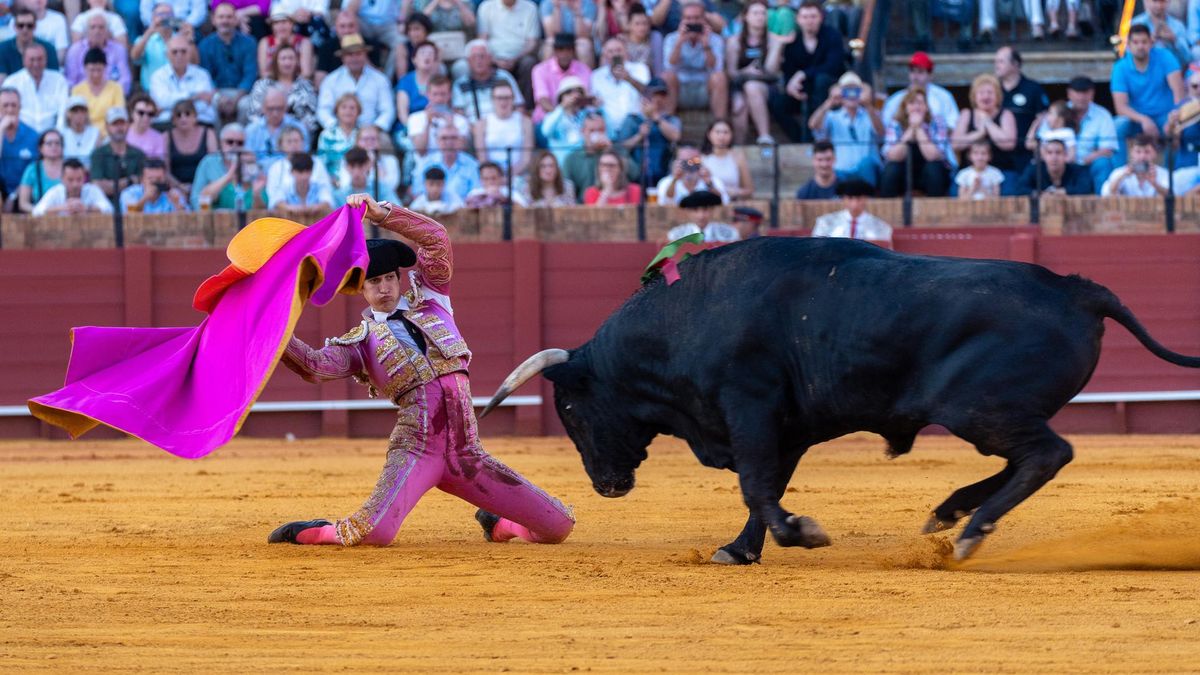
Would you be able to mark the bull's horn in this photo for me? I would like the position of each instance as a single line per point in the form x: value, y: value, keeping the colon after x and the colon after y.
x: 532, y: 366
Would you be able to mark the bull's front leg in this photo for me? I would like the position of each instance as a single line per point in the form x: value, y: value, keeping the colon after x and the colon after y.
x: 747, y: 548
x: 764, y: 477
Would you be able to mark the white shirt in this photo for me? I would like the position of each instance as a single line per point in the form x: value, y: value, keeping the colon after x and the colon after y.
x: 838, y: 224
x: 617, y: 98
x: 449, y: 203
x: 941, y: 102
x: 682, y: 191
x: 289, y: 7
x: 116, y: 25
x: 713, y: 232
x: 374, y: 93
x: 389, y: 172
x: 280, y: 182
x: 90, y: 195
x: 79, y: 146
x: 418, y: 121
x: 990, y: 176
x: 53, y: 29
x: 167, y: 89
x: 1131, y: 186
x: 40, y: 102
x: 506, y: 29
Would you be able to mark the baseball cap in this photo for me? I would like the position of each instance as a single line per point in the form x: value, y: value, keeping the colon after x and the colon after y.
x: 115, y: 115
x: 1081, y: 83
x: 76, y: 102
x: 921, y: 60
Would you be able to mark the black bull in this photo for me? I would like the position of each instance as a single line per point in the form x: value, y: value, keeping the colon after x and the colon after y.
x: 767, y: 347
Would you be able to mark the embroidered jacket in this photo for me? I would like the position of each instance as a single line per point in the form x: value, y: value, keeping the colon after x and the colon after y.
x: 370, y: 352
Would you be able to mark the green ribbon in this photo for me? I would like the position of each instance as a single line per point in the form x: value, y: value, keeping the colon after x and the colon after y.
x: 666, y: 254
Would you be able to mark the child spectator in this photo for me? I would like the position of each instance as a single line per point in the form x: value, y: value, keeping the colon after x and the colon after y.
x: 700, y: 206
x: 434, y: 200
x: 80, y: 138
x: 1058, y: 124
x: 1142, y: 176
x: 492, y: 191
x: 305, y: 194
x: 980, y: 180
x: 359, y: 177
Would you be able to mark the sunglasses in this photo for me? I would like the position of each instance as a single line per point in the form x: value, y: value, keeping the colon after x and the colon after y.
x: 184, y: 113
x: 141, y: 112
x: 236, y: 142
x: 25, y: 26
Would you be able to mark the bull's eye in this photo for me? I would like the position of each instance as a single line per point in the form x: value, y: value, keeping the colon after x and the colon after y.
x: 567, y: 406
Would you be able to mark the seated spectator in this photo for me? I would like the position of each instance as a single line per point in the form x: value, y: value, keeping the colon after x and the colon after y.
x: 563, y: 127
x: 74, y: 196
x: 149, y: 50
x: 262, y: 135
x: 51, y: 27
x: 279, y: 172
x: 251, y: 16
x: 1024, y: 97
x: 191, y: 12
x: 1142, y: 176
x: 1146, y: 85
x: 97, y: 90
x: 241, y: 188
x: 823, y: 184
x: 417, y: 28
x: 1168, y: 32
x: 423, y: 125
x: 563, y: 64
x: 503, y: 129
x: 1058, y: 123
x: 447, y: 15
x: 377, y: 23
x: 335, y: 140
x: 617, y: 85
x: 373, y: 90
x: 747, y: 221
x: 1055, y: 173
x: 914, y: 131
x: 987, y: 121
x: 42, y: 174
x: 359, y: 177
x: 667, y: 15
x: 854, y: 222
x: 434, y: 200
x: 652, y: 131
x: 304, y: 195
x: 510, y: 33
x: 979, y: 180
x: 461, y: 170
x: 301, y: 95
x: 80, y: 138
x: 688, y: 175
x: 344, y: 25
x: 643, y: 44
x: 113, y: 57
x: 155, y: 193
x: 1181, y: 123
x: 216, y: 163
x: 812, y: 63
x: 575, y: 18
x: 546, y: 186
x: 700, y: 206
x: 371, y: 139
x: 113, y: 22
x: 229, y: 57
x: 12, y: 51
x: 283, y: 34
x: 920, y: 76
x: 18, y: 141
x: 752, y: 61
x: 1073, y: 6
x: 43, y: 92
x: 189, y: 142
x: 724, y: 162
x: 612, y: 187
x: 116, y: 163
x: 1030, y: 9
x: 492, y: 190
x: 412, y: 89
x: 580, y: 164
x: 473, y: 91
x: 693, y: 64
x: 1096, y: 141
x: 855, y: 129
x: 180, y: 80
x: 311, y: 17
x: 612, y: 18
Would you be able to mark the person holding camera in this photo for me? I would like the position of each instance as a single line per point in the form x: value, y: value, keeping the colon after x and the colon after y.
x: 1142, y: 176
x: 149, y: 51
x: 688, y: 175
x: 694, y: 67
x: 154, y: 194
x: 854, y: 127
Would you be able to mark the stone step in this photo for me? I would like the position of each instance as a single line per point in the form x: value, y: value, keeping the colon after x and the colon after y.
x: 1047, y: 67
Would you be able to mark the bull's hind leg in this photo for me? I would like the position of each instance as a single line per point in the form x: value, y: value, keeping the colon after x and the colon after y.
x: 1033, y: 461
x: 963, y: 501
x: 748, y: 546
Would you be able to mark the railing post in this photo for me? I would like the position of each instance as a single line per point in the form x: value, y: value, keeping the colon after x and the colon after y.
x: 1035, y: 205
x: 906, y: 206
x: 239, y: 197
x: 643, y: 179
x: 507, y: 208
x: 118, y: 217
x: 1169, y: 198
x: 775, y: 186
x: 375, y: 191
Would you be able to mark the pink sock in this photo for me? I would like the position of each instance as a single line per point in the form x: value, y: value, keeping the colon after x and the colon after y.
x: 506, y: 529
x: 326, y: 534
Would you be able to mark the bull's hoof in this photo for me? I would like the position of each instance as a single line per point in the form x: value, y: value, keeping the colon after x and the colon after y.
x: 935, y: 524
x: 965, y: 547
x: 801, y: 531
x: 729, y: 556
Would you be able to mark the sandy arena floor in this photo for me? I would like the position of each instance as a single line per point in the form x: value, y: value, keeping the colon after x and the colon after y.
x: 116, y: 556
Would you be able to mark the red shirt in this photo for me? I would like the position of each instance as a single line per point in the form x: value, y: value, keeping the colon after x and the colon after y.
x: 631, y: 195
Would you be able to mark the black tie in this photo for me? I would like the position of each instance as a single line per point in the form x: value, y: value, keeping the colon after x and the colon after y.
x: 417, y: 336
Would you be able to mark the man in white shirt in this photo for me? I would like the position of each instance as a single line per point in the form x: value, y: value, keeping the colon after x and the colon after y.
x: 1142, y: 176
x: 920, y: 74
x: 43, y: 92
x: 618, y: 84
x: 424, y: 124
x: 51, y: 27
x: 74, y: 196
x: 512, y: 30
x: 180, y: 80
x: 853, y: 222
x: 700, y: 205
x: 688, y: 175
x: 356, y: 76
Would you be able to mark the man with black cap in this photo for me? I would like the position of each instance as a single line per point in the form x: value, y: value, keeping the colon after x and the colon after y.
x: 748, y: 221
x: 1096, y: 138
x: 700, y: 206
x: 853, y: 222
x: 409, y: 349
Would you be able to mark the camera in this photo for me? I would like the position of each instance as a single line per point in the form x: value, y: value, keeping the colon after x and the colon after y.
x: 617, y: 62
x: 162, y: 187
x: 1141, y: 167
x: 852, y: 93
x: 175, y: 24
x: 691, y: 166
x: 695, y: 28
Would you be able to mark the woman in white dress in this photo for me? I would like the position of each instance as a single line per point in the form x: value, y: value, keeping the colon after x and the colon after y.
x: 505, y: 127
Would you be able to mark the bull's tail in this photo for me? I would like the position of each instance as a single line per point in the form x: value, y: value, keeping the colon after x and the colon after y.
x: 1106, y: 303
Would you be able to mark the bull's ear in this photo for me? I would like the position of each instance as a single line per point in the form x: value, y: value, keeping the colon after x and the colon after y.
x: 573, y: 374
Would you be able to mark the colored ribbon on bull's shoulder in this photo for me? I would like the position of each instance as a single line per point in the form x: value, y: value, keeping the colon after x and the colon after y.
x: 664, y: 262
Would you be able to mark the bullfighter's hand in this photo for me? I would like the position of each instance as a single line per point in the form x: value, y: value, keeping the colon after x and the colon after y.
x: 375, y: 213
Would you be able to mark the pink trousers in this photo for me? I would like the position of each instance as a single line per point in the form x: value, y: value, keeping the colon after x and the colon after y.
x: 435, y: 444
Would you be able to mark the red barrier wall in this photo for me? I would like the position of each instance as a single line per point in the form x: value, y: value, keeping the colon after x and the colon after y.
x: 512, y: 299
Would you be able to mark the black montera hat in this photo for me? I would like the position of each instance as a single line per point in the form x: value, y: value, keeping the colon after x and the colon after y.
x: 855, y: 187
x: 700, y: 199
x: 388, y: 255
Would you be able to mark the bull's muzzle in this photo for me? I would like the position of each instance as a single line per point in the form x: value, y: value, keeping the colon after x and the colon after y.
x: 614, y: 488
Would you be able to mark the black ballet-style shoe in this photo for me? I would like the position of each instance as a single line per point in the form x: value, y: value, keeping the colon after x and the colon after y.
x: 287, y: 533
x: 487, y: 520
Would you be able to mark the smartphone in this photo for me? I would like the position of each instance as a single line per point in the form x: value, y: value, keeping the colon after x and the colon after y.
x: 852, y: 93
x: 695, y: 28
x: 1141, y: 167
x: 618, y: 61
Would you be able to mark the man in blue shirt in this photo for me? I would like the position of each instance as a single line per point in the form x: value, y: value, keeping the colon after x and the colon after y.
x: 462, y: 170
x: 154, y: 194
x: 18, y: 141
x: 262, y: 135
x: 1096, y: 139
x: 855, y: 129
x: 1146, y: 85
x: 304, y: 195
x: 1169, y: 33
x: 231, y: 58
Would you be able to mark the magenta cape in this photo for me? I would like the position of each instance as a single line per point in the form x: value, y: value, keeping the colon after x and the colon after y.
x: 188, y: 390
